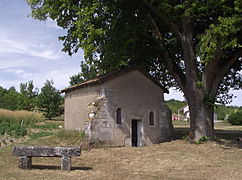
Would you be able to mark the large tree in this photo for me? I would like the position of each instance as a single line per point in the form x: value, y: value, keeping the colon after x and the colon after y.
x: 194, y: 45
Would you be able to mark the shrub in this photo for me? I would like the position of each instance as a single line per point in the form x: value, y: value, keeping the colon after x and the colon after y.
x: 235, y: 118
x: 12, y: 129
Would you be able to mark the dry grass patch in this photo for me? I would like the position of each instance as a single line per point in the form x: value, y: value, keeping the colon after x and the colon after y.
x: 172, y: 160
x: 27, y: 117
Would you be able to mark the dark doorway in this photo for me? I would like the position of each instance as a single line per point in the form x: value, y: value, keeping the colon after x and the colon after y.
x: 134, y: 133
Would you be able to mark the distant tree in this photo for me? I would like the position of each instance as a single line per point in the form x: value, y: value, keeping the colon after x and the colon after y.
x: 236, y: 117
x: 28, y: 96
x: 49, y: 100
x: 175, y: 105
x: 9, y: 98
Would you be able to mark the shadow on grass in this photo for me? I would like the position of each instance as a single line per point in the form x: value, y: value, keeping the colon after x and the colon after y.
x: 227, y: 138
x: 44, y: 167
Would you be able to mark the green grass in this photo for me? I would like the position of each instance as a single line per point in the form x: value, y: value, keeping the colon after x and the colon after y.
x: 40, y: 134
x: 73, y: 135
x: 15, y: 123
x: 46, y: 126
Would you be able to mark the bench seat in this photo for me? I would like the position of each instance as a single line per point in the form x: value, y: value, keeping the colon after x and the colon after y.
x: 26, y: 153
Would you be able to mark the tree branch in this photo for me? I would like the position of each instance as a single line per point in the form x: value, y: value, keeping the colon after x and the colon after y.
x: 216, y: 70
x: 172, y: 67
x: 173, y: 27
x: 229, y: 62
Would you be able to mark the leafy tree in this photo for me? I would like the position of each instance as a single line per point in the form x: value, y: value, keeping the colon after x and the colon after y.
x: 194, y: 45
x: 175, y: 105
x: 236, y: 118
x: 49, y: 100
x: 28, y: 96
x: 88, y: 72
x: 9, y: 98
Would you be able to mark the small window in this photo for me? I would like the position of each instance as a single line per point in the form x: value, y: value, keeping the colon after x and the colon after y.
x: 151, y: 118
x: 118, y: 116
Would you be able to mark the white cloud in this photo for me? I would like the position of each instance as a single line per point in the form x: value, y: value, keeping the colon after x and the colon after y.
x: 174, y: 94
x: 15, y: 46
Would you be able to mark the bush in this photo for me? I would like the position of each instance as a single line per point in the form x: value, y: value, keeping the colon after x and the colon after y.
x: 235, y: 118
x: 12, y: 129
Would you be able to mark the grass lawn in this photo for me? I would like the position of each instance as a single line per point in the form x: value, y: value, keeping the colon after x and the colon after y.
x: 171, y: 160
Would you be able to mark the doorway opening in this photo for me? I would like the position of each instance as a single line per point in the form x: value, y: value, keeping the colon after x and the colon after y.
x: 136, y: 132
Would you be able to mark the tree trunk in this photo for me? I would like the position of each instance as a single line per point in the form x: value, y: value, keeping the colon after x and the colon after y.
x: 201, y: 117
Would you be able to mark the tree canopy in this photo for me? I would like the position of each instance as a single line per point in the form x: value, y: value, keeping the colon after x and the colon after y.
x: 193, y: 45
x: 49, y: 101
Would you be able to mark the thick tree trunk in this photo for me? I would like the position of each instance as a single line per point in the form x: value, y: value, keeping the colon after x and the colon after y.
x: 201, y: 118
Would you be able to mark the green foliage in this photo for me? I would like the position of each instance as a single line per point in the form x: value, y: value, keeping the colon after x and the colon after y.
x: 49, y: 101
x: 14, y: 123
x: 88, y: 72
x: 224, y: 111
x: 27, y: 96
x: 202, y: 140
x: 175, y: 105
x: 236, y: 118
x: 40, y: 134
x: 9, y: 98
x: 23, y: 100
x: 12, y: 129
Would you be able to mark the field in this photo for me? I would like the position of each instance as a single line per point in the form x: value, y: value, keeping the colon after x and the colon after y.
x: 213, y: 160
x: 171, y: 160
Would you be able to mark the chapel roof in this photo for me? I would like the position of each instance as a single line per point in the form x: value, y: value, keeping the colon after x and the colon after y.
x: 107, y: 76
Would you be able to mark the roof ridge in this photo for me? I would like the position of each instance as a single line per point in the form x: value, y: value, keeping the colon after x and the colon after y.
x: 103, y: 77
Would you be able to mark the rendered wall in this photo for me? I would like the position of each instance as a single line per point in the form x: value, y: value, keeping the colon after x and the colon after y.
x: 136, y: 95
x: 76, y: 106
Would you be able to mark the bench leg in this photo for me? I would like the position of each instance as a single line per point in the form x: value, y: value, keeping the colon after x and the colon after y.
x: 66, y: 163
x: 25, y: 162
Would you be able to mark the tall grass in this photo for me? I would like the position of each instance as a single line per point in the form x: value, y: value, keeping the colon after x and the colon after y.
x: 15, y: 122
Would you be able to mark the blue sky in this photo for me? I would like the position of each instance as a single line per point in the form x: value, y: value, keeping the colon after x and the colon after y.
x: 30, y: 50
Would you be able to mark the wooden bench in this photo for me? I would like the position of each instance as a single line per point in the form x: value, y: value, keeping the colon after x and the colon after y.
x: 26, y: 153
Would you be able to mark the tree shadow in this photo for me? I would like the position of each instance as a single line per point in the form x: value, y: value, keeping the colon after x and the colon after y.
x: 227, y: 138
x: 44, y: 167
